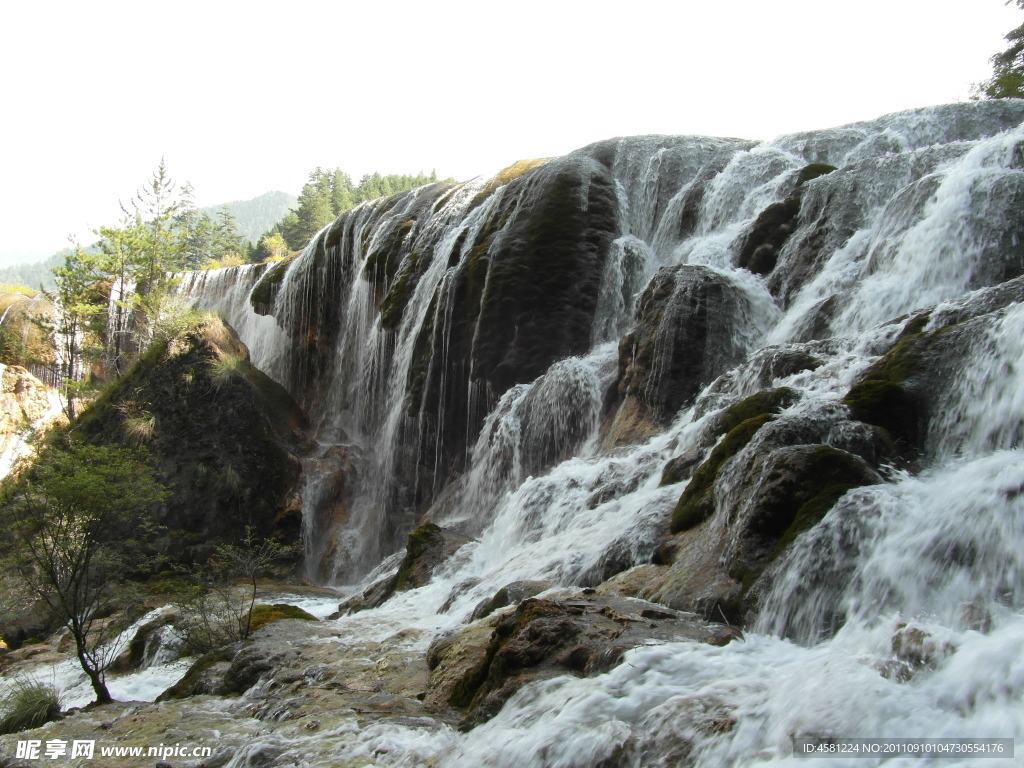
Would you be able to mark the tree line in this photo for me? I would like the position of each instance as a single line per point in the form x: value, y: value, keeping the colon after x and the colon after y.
x: 325, y: 196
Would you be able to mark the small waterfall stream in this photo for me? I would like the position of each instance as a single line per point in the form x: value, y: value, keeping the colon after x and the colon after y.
x: 389, y: 330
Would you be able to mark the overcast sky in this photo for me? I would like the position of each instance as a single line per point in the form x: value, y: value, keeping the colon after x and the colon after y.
x: 244, y: 98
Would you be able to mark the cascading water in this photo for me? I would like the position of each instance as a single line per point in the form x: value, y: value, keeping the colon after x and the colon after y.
x: 901, y: 613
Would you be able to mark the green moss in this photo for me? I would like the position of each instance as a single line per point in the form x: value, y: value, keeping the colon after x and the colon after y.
x: 813, y: 171
x: 393, y: 305
x: 421, y: 540
x: 883, y: 397
x: 264, y: 293
x: 885, y: 404
x: 696, y: 504
x: 767, y: 401
x: 799, y: 491
x: 265, y: 614
x: 828, y: 475
x: 676, y: 470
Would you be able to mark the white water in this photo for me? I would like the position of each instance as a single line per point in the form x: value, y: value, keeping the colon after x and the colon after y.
x: 940, y: 551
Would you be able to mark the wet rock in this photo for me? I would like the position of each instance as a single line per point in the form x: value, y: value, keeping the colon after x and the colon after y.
x: 913, y: 650
x: 584, y: 635
x: 371, y: 597
x: 780, y: 482
x: 328, y: 504
x: 759, y: 251
x: 134, y: 656
x: 428, y: 547
x: 685, y: 336
x: 525, y: 297
x: 205, y: 676
x: 510, y: 594
x: 782, y: 494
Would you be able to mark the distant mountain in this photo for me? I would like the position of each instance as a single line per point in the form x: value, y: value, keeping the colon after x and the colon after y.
x: 256, y: 216
x: 21, y: 255
x: 36, y: 274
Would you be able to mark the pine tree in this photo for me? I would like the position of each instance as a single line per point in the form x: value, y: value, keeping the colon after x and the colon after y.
x: 341, y: 192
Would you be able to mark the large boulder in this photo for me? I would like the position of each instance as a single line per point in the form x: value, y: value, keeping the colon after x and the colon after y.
x: 477, y: 671
x: 220, y: 433
x: 693, y: 324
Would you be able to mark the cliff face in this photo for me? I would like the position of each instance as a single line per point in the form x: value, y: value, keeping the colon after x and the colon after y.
x: 221, y: 434
x: 456, y: 345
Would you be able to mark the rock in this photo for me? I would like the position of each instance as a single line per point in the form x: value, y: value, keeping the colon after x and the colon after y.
x: 428, y: 547
x: 510, y: 594
x: 33, y: 399
x: 525, y: 298
x: 782, y: 494
x: 541, y: 639
x: 371, y: 597
x: 134, y: 656
x: 205, y: 676
x: 780, y: 480
x: 32, y: 619
x: 913, y: 650
x: 773, y: 226
x: 328, y: 504
x: 686, y: 335
x: 215, y: 429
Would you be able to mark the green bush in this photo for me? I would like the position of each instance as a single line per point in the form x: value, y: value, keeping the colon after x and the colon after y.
x: 28, y: 703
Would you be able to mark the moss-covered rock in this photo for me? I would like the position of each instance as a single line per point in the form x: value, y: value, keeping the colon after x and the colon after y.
x: 428, y: 546
x: 696, y: 504
x: 510, y: 594
x: 892, y: 392
x: 218, y: 432
x: 885, y: 404
x: 767, y: 402
x: 785, y: 493
x: 541, y: 639
x: 203, y: 677
x: 523, y: 294
x: 264, y: 294
x: 265, y: 614
x: 685, y: 336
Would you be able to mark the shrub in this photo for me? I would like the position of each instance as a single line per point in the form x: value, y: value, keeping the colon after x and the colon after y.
x: 28, y: 703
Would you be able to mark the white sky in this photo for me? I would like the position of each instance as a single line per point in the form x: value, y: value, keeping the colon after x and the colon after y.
x: 246, y: 97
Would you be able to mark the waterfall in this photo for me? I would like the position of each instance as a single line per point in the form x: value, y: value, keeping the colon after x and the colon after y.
x: 468, y: 371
